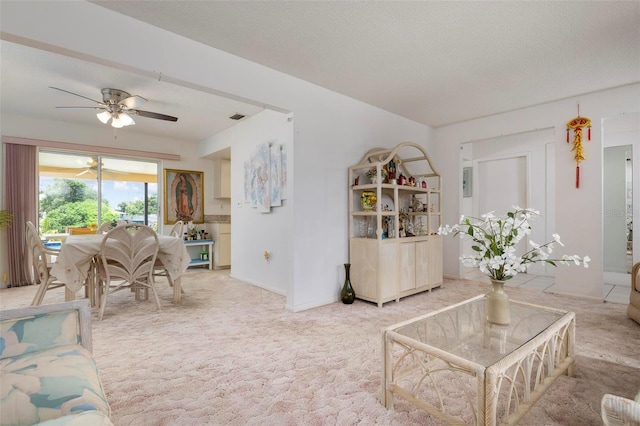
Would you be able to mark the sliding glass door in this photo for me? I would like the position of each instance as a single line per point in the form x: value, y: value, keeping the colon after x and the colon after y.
x: 80, y: 191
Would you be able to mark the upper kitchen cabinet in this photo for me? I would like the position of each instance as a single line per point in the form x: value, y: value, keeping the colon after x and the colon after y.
x: 222, y: 179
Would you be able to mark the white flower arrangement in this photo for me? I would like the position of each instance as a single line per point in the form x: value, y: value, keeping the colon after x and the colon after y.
x: 495, y: 238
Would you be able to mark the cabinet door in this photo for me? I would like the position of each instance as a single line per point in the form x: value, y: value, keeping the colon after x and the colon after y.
x: 222, y: 182
x: 407, y: 266
x: 434, y: 261
x: 224, y: 241
x: 364, y: 268
x: 422, y: 264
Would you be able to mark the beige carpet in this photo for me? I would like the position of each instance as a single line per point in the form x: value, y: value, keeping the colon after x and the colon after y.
x: 230, y: 354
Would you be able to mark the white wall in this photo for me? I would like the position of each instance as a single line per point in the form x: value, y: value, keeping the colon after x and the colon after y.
x: 252, y: 232
x: 578, y: 211
x: 330, y: 131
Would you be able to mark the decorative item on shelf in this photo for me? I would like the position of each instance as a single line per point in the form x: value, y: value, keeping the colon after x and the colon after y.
x: 372, y: 174
x: 368, y: 201
x: 391, y: 170
x: 347, y: 295
x: 495, y: 238
x: 204, y: 255
x: 401, y: 179
x: 416, y: 204
x: 576, y: 124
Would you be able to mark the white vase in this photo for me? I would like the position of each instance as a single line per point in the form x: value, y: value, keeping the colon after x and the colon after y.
x: 497, y: 304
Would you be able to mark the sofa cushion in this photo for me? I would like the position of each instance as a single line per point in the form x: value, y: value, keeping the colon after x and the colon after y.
x: 37, y: 332
x: 48, y: 384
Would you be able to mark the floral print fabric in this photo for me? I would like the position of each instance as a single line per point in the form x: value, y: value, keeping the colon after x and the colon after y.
x: 44, y: 372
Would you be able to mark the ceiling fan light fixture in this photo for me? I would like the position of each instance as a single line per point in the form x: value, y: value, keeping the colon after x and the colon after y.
x: 126, y: 119
x: 104, y: 116
x: 121, y: 119
x: 117, y: 122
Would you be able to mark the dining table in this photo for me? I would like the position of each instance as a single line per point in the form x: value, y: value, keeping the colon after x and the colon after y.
x: 73, y: 263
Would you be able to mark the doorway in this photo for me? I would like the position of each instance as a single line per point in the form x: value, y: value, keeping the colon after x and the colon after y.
x: 511, y: 170
x: 621, y: 143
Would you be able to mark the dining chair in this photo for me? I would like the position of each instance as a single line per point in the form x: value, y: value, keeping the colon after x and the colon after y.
x: 159, y: 269
x: 105, y: 227
x: 127, y: 255
x: 41, y: 266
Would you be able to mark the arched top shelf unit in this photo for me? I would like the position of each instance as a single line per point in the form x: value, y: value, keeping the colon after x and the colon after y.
x: 407, y: 160
x: 395, y: 200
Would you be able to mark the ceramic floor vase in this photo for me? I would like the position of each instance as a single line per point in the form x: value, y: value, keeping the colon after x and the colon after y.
x: 347, y: 295
x: 497, y: 304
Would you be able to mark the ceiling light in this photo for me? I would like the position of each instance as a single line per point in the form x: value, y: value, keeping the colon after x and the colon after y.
x: 126, y: 119
x: 104, y: 116
x: 118, y: 119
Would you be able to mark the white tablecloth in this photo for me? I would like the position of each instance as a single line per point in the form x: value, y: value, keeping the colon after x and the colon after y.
x: 73, y: 262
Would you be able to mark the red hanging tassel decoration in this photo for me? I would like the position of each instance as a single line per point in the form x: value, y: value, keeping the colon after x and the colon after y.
x: 577, y: 124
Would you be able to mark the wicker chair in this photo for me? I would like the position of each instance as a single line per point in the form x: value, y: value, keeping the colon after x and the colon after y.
x: 619, y: 411
x: 105, y: 227
x: 633, y: 310
x: 40, y: 256
x: 127, y: 254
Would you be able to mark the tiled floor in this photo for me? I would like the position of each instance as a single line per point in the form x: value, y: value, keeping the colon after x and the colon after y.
x: 610, y: 292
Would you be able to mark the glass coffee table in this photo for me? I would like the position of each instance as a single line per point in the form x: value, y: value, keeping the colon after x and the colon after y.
x: 463, y: 370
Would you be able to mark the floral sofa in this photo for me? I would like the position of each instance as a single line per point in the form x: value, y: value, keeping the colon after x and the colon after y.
x: 48, y: 375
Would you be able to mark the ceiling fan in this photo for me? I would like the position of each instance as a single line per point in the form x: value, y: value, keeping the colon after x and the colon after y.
x: 118, y: 106
x: 92, y: 168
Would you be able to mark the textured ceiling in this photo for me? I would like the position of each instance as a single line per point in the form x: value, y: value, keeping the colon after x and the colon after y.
x: 436, y: 62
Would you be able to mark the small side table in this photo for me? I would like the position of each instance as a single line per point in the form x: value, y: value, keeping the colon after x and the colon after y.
x: 196, y: 258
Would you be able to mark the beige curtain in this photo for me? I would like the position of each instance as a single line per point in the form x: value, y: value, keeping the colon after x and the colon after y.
x: 21, y: 200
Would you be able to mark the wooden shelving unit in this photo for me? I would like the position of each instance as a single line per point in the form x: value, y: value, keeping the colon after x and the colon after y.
x: 394, y: 249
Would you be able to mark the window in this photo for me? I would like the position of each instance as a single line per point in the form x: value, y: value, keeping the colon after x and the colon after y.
x: 80, y: 190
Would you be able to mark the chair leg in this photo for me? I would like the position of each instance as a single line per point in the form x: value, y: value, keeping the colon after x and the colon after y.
x: 39, y: 296
x: 153, y: 290
x: 103, y: 301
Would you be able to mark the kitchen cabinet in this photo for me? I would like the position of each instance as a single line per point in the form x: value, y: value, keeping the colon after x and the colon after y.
x: 221, y: 233
x: 222, y: 180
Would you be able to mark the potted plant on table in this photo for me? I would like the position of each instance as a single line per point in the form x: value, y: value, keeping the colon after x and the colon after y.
x: 494, y: 239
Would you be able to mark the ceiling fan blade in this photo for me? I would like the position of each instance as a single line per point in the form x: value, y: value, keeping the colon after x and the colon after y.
x: 133, y: 102
x: 84, y: 172
x: 83, y: 107
x: 75, y: 94
x: 149, y: 114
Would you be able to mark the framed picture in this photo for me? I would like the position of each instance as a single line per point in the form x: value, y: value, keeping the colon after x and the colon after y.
x: 183, y: 196
x: 466, y: 181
